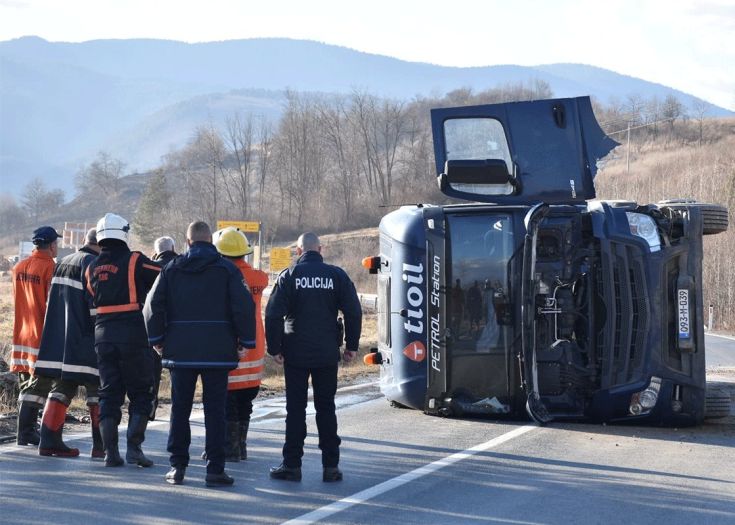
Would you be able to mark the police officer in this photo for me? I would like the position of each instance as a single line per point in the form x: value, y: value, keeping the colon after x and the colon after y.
x: 201, y: 317
x: 118, y: 281
x: 31, y: 285
x: 67, y: 352
x: 302, y: 334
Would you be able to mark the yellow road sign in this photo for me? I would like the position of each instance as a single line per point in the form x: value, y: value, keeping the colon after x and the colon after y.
x: 280, y: 259
x: 245, y: 226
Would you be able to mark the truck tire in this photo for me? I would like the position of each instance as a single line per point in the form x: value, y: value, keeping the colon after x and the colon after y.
x: 717, y: 402
x: 715, y: 217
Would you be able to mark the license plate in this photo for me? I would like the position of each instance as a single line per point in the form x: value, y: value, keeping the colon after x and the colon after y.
x: 683, y: 306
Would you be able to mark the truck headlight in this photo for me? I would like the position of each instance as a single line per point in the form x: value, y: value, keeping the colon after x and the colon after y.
x: 644, y: 401
x: 644, y: 227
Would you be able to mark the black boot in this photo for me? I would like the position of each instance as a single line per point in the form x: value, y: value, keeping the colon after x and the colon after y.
x: 108, y: 430
x: 244, y: 426
x: 232, y: 446
x: 27, y: 418
x: 136, y: 435
x: 52, y: 427
x: 98, y: 449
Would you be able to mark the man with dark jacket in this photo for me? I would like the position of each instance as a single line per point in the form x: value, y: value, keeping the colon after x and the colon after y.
x: 164, y: 250
x: 201, y: 317
x: 67, y: 352
x: 118, y: 281
x: 163, y: 253
x: 302, y: 334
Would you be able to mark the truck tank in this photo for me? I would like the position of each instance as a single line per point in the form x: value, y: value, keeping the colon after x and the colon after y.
x: 402, y: 322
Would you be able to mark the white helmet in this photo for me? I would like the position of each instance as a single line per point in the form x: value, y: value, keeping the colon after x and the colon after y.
x: 112, y: 226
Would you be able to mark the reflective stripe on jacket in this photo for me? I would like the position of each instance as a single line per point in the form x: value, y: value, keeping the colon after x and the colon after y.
x: 67, y: 344
x: 249, y: 371
x: 118, y: 281
x: 31, y: 285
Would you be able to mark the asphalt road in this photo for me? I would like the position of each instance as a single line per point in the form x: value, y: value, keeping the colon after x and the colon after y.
x: 402, y: 467
x: 720, y: 350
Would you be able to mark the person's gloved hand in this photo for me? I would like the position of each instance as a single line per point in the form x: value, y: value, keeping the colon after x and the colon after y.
x: 349, y: 355
x: 278, y: 358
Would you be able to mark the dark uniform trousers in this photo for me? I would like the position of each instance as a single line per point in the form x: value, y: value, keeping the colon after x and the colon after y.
x: 240, y: 403
x: 214, y: 396
x: 124, y: 369
x: 324, y: 384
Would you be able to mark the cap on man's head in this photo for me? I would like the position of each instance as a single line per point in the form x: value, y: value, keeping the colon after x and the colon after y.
x: 44, y: 235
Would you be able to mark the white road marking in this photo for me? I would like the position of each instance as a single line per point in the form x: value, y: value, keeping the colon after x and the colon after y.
x: 728, y: 337
x: 377, y: 490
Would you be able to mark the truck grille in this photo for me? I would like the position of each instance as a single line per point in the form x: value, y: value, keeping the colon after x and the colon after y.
x: 622, y: 286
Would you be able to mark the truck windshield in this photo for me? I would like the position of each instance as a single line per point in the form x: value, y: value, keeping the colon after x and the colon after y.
x: 480, y: 248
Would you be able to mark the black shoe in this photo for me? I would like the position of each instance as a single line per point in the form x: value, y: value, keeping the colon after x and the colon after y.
x: 218, y: 480
x: 286, y: 473
x: 331, y: 474
x: 175, y: 476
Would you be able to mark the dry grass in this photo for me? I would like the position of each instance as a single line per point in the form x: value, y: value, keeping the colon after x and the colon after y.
x: 681, y: 168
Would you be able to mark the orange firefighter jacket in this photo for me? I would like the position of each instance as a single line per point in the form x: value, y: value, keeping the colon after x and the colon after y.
x: 249, y: 371
x: 31, y: 285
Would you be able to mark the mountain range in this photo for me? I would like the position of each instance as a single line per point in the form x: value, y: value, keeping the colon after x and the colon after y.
x: 61, y: 103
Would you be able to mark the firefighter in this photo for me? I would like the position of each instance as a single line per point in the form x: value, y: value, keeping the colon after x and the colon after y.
x: 31, y: 285
x: 163, y: 253
x: 118, y: 281
x: 243, y: 383
x: 67, y: 352
x: 308, y: 296
x: 200, y: 316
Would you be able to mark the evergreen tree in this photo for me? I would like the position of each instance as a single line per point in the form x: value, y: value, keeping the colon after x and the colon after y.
x: 153, y: 206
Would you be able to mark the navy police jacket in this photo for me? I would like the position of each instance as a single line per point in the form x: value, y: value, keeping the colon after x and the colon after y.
x: 200, y: 310
x: 301, y: 316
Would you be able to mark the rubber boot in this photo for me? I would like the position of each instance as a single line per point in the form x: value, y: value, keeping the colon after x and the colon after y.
x: 108, y: 431
x: 244, y: 426
x: 27, y: 417
x: 232, y: 445
x: 136, y: 435
x: 98, y: 449
x: 52, y: 427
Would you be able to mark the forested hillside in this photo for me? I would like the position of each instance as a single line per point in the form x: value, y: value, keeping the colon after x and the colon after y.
x: 337, y: 163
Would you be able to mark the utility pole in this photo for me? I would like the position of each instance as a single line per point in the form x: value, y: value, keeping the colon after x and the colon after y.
x: 627, y: 160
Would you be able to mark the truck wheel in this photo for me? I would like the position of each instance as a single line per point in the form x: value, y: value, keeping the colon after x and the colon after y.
x: 714, y: 216
x: 717, y: 402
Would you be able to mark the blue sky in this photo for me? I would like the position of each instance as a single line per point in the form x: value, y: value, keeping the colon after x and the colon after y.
x: 688, y: 45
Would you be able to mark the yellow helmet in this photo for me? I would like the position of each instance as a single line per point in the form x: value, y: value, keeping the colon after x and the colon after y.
x: 232, y: 242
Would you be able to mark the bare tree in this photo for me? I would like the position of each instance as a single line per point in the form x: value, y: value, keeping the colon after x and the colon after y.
x: 101, y: 177
x: 38, y: 201
x: 700, y: 109
x: 239, y: 143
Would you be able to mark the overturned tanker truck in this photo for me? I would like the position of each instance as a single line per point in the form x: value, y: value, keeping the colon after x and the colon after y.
x: 536, y: 298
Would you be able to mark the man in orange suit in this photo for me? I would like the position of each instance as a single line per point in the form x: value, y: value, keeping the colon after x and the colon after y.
x: 243, y: 383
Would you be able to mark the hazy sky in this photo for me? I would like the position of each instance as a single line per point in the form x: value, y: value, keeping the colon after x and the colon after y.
x: 688, y: 45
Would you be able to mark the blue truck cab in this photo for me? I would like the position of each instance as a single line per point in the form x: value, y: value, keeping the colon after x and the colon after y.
x: 535, y: 298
